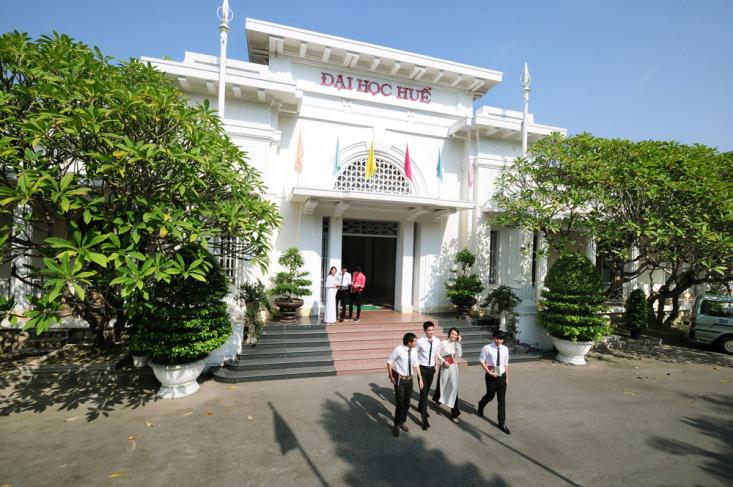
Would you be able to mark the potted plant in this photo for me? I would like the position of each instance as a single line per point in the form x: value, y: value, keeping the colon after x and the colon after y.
x: 464, y: 286
x: 253, y: 297
x: 137, y: 347
x: 502, y: 301
x: 571, y: 308
x: 186, y: 319
x: 636, y: 313
x: 288, y: 286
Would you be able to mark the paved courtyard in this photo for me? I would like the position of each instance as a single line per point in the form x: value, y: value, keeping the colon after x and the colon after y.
x: 661, y: 421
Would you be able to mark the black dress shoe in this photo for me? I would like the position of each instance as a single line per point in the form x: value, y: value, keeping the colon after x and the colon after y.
x: 480, y: 412
x: 504, y: 428
x: 396, y: 431
x: 425, y: 425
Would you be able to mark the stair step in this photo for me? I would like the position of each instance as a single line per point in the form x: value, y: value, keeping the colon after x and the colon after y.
x: 280, y: 362
x: 255, y: 353
x: 235, y: 376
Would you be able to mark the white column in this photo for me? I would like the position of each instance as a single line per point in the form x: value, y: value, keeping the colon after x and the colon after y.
x: 590, y: 249
x: 18, y: 289
x: 541, y: 263
x: 335, y: 239
x: 404, y: 267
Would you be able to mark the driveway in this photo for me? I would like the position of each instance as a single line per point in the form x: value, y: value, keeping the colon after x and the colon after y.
x: 616, y: 421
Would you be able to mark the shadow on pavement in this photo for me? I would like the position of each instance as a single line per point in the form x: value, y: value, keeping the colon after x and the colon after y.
x: 360, y: 428
x: 287, y: 441
x: 100, y: 393
x: 717, y: 462
x: 674, y: 349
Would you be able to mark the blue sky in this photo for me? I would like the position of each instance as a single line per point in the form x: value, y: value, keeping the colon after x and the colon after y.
x: 638, y: 69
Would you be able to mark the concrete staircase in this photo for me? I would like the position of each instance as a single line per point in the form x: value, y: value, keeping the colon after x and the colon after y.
x: 308, y: 350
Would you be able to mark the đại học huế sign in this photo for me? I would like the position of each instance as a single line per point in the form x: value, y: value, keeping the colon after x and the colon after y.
x: 374, y: 88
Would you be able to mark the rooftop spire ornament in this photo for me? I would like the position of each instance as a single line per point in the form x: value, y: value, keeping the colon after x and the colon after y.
x: 525, y: 98
x: 225, y: 16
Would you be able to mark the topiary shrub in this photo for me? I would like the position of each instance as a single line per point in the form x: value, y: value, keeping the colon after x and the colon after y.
x: 570, y: 307
x: 636, y: 315
x: 293, y: 282
x: 502, y: 301
x: 464, y: 284
x: 186, y: 319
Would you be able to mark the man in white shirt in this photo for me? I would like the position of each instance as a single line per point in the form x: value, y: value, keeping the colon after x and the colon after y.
x: 427, y: 349
x: 343, y: 293
x: 401, y: 367
x: 494, y: 360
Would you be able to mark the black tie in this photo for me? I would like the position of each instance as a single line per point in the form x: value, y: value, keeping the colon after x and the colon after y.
x: 430, y: 354
x: 498, y: 359
x: 409, y: 362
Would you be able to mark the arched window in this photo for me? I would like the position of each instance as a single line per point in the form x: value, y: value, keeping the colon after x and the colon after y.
x: 389, y: 179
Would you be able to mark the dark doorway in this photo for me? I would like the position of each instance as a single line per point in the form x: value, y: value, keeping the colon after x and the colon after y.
x: 376, y: 257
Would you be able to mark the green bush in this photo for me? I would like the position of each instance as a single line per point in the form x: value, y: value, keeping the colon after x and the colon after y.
x: 253, y: 297
x: 571, y: 306
x: 636, y: 315
x: 294, y: 282
x: 464, y: 284
x: 186, y: 319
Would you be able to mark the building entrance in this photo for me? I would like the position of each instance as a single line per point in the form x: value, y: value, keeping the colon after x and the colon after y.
x: 372, y: 246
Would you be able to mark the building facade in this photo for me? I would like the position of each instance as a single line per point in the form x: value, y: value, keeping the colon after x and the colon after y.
x: 308, y: 107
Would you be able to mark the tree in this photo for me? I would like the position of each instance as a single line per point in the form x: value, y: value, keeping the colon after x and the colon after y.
x: 651, y: 205
x: 114, y: 171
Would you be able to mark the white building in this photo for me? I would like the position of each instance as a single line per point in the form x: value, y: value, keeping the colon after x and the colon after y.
x: 325, y: 92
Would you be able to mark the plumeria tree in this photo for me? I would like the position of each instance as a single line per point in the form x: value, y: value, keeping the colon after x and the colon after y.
x: 107, y: 172
x: 651, y: 206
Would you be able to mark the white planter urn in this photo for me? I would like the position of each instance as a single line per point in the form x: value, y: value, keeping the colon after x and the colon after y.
x: 571, y: 352
x: 139, y: 361
x: 178, y: 380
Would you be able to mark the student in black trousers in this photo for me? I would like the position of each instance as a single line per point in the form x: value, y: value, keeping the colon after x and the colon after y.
x: 401, y: 369
x: 494, y: 359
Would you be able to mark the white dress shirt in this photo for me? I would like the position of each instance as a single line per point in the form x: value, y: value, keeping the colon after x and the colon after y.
x: 488, y: 357
x: 425, y: 356
x: 398, y: 359
x: 448, y: 347
x: 344, y: 280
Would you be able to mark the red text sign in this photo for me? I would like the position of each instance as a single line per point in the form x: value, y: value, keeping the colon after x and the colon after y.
x: 341, y: 82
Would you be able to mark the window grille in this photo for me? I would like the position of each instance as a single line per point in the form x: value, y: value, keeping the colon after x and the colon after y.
x: 224, y: 248
x: 370, y: 228
x: 389, y: 179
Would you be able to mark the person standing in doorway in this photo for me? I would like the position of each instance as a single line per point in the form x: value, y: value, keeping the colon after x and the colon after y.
x: 402, y: 366
x: 344, y: 291
x: 358, y: 283
x: 427, y: 349
x: 329, y: 314
x: 446, y: 390
x: 494, y: 360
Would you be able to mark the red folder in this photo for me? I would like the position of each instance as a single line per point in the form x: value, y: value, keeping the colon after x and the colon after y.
x: 448, y: 359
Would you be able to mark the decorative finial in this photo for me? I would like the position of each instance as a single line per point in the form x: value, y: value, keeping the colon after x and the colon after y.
x: 525, y: 78
x: 225, y: 14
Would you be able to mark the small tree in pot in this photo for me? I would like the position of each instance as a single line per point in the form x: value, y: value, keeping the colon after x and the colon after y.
x: 185, y: 321
x: 253, y: 296
x: 463, y: 288
x: 502, y: 301
x: 571, y: 308
x: 289, y: 286
x: 636, y: 314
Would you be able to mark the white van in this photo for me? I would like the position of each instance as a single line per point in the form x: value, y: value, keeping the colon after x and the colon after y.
x: 712, y: 321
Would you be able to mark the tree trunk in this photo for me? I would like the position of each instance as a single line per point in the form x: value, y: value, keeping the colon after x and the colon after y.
x: 675, y: 311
